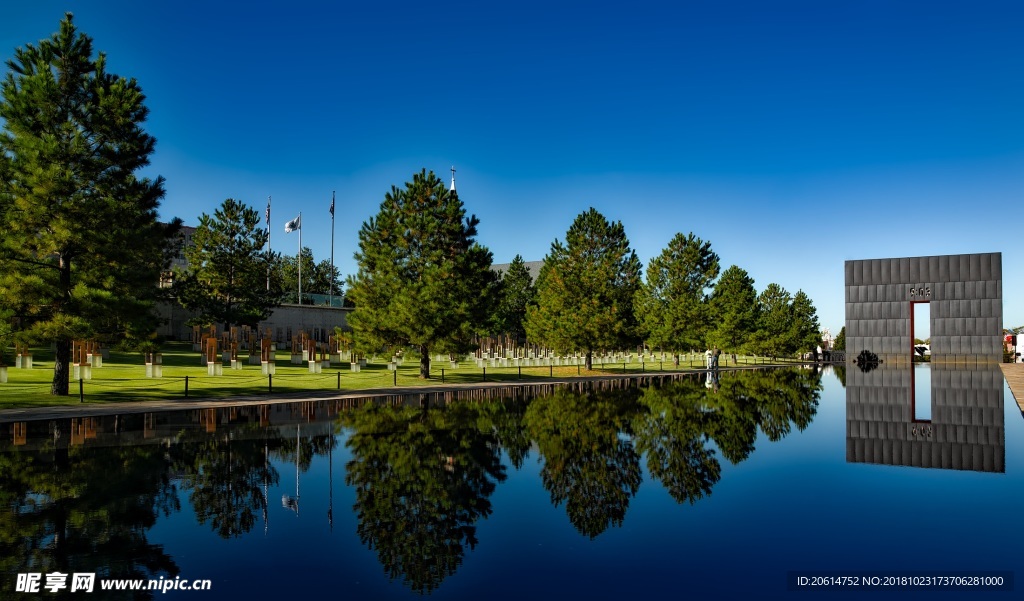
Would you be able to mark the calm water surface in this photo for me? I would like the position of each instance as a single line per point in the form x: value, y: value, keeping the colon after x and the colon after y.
x: 676, y: 489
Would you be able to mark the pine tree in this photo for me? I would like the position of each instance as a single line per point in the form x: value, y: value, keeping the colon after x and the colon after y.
x: 82, y: 251
x: 516, y: 294
x: 805, y: 331
x: 423, y: 280
x: 839, y: 343
x: 733, y: 310
x: 585, y: 290
x: 672, y: 304
x: 775, y: 319
x: 227, y: 279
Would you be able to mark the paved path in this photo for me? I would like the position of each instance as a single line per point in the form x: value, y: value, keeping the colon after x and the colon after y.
x: 1014, y: 374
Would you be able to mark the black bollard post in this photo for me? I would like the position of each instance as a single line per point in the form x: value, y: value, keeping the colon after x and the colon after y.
x: 270, y: 383
x: 442, y: 375
x: 186, y: 387
x: 395, y: 383
x: 485, y: 374
x: 339, y: 380
x: 81, y: 390
x: 520, y: 372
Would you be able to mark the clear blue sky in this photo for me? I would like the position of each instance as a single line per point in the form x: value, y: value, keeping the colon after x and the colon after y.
x: 792, y: 135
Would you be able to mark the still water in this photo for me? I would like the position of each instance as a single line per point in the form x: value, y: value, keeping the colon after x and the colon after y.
x: 675, y: 488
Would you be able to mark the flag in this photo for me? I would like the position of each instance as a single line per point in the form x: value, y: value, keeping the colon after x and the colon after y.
x: 332, y: 204
x: 268, y: 211
x: 292, y: 225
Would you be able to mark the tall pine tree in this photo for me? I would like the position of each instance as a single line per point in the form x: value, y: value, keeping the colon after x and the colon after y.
x: 585, y: 290
x: 231, y: 279
x: 775, y: 320
x: 516, y: 294
x: 733, y: 311
x: 672, y: 304
x: 805, y: 331
x: 81, y: 251
x: 423, y: 280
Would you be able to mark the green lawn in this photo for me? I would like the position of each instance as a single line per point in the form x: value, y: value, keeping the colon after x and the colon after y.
x: 122, y: 377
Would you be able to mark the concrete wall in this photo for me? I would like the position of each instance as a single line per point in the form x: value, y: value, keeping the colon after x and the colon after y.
x: 966, y: 430
x: 287, y: 320
x: 965, y: 293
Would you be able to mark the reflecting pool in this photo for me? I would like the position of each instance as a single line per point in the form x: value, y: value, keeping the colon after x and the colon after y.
x: 729, y: 487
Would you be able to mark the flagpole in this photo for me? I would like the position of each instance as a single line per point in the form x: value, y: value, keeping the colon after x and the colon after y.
x: 300, y: 257
x: 268, y: 242
x: 330, y: 294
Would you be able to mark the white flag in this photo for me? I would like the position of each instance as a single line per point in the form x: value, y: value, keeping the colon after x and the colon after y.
x: 292, y: 225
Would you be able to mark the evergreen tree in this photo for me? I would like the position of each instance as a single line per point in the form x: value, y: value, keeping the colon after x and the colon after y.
x: 516, y: 294
x: 774, y: 322
x: 585, y: 290
x: 672, y: 304
x: 316, y: 277
x: 839, y: 343
x: 734, y: 310
x: 227, y: 279
x: 82, y: 251
x: 805, y: 331
x: 423, y: 279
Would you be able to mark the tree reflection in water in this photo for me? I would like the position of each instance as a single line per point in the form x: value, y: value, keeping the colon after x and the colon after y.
x: 225, y: 477
x: 587, y: 464
x: 423, y: 477
x: 682, y: 419
x: 85, y: 510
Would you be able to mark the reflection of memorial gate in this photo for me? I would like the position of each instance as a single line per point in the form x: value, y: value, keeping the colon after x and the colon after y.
x: 965, y: 432
x: 965, y: 295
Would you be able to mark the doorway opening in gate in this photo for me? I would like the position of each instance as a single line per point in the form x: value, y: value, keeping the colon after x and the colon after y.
x: 921, y: 354
x: 921, y: 331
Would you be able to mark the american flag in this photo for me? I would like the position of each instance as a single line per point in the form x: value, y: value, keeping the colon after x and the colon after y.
x: 332, y: 204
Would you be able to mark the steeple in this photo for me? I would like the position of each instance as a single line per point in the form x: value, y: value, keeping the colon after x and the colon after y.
x: 453, y: 178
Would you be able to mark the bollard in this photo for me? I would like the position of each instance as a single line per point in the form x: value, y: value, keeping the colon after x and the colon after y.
x: 485, y: 374
x: 520, y: 372
x: 81, y: 391
x: 339, y: 380
x: 550, y: 371
x: 442, y: 375
x: 641, y: 367
x: 186, y: 387
x: 270, y: 383
x: 395, y: 383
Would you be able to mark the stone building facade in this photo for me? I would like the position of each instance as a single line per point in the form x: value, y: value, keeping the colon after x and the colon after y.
x: 965, y: 294
x: 286, y: 321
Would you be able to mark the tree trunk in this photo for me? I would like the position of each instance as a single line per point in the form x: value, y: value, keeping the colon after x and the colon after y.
x: 424, y: 362
x: 62, y: 357
x: 61, y: 368
x: 590, y: 360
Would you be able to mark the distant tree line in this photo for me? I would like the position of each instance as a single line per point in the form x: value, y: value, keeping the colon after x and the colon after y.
x: 424, y: 281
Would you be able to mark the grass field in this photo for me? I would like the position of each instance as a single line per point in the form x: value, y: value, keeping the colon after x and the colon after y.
x: 122, y: 377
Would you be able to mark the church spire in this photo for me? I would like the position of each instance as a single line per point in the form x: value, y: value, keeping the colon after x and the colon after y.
x: 453, y: 178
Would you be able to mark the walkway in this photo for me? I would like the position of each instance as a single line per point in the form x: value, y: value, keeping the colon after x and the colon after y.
x: 1014, y: 374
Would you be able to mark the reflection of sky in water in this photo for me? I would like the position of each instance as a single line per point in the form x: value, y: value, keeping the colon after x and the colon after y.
x: 794, y: 504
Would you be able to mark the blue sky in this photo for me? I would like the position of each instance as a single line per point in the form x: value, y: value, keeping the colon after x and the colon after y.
x: 794, y: 135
